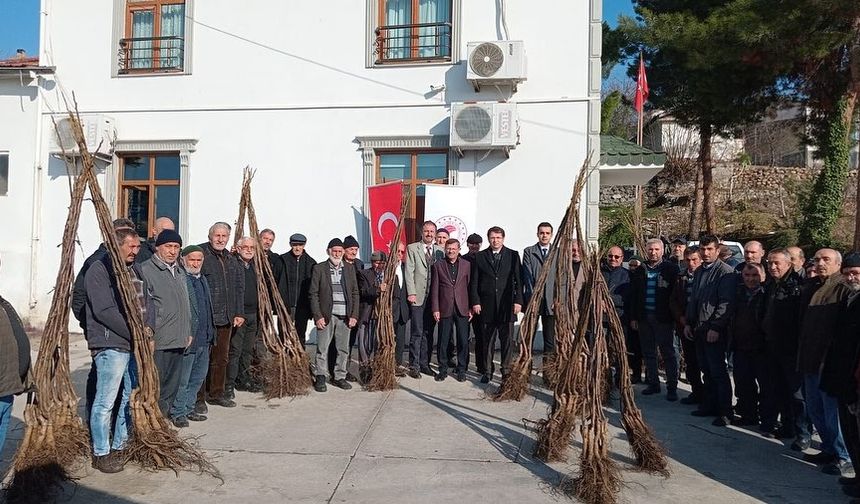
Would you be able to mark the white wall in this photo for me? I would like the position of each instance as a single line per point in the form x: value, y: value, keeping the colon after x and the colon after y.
x: 293, y: 111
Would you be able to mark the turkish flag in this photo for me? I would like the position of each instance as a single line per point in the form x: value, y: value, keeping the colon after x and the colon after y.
x: 641, y: 87
x: 384, y: 203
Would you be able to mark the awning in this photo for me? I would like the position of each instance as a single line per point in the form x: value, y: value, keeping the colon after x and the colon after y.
x: 625, y: 163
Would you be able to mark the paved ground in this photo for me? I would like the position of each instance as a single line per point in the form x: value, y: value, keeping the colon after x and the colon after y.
x: 432, y: 442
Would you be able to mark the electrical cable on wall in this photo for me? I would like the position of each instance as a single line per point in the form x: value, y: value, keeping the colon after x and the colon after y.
x: 503, y: 9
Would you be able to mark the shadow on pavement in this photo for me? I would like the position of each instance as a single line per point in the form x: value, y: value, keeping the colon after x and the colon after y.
x: 497, y: 431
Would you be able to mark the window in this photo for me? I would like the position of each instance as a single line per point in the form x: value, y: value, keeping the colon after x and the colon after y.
x: 414, y: 31
x: 154, y: 37
x: 415, y: 168
x: 149, y: 188
x: 4, y: 173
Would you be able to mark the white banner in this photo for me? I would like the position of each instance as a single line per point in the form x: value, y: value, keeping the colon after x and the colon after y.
x: 453, y: 208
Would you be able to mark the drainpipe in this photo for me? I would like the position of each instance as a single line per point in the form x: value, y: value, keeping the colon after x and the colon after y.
x: 38, y: 178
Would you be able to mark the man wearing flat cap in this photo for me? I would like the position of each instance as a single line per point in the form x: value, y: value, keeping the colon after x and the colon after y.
x: 676, y: 256
x: 295, y: 283
x: 334, y: 307
x: 170, y: 313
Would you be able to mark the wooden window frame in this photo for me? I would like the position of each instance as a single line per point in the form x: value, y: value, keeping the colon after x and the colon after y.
x: 151, y: 183
x: 413, y: 182
x: 414, y: 35
x: 155, y: 7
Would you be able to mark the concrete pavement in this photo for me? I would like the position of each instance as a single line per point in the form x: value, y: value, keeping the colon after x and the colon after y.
x: 431, y: 442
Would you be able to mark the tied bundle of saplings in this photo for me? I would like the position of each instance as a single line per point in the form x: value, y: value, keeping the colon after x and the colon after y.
x: 383, y: 363
x: 55, y: 439
x: 285, y: 370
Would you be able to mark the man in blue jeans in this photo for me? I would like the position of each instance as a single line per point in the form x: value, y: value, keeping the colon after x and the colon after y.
x: 14, y: 363
x: 109, y: 340
x: 195, y: 360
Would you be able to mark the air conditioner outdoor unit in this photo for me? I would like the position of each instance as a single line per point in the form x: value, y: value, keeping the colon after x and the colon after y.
x: 501, y: 62
x: 484, y: 126
x: 99, y: 132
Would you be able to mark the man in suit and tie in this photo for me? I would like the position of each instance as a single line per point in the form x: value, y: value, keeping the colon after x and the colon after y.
x: 420, y: 257
x: 334, y: 306
x: 449, y: 298
x: 534, y: 258
x: 400, y: 310
x: 496, y: 293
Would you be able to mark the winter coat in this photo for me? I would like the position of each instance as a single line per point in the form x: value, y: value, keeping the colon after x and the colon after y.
x: 496, y: 288
x: 169, y: 315
x: 822, y: 302
x: 667, y: 276
x: 837, y: 374
x: 79, y: 291
x: 747, y: 333
x: 713, y: 297
x: 782, y: 314
x: 295, y: 282
x: 226, y: 280
x: 618, y: 283
x: 14, y: 352
x: 107, y: 325
x: 321, y: 291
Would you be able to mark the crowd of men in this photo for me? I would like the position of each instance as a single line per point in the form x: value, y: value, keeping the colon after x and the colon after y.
x: 784, y: 328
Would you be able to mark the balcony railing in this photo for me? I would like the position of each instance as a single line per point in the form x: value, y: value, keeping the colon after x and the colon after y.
x: 151, y: 54
x: 413, y: 42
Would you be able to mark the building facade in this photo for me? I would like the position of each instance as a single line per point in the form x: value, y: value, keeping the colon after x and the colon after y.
x: 179, y: 96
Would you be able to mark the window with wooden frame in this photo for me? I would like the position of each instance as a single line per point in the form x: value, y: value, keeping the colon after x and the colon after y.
x: 154, y: 37
x: 410, y: 31
x: 415, y: 168
x: 149, y: 188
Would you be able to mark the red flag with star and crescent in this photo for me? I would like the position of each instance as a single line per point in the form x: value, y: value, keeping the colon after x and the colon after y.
x: 641, y: 87
x: 384, y: 202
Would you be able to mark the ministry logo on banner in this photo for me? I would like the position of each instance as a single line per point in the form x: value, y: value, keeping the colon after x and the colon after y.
x: 452, y: 208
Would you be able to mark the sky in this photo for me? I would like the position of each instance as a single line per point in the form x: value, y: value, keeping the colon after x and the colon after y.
x: 611, y: 10
x: 19, y: 27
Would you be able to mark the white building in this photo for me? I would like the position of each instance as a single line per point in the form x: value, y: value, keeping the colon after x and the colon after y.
x: 322, y: 101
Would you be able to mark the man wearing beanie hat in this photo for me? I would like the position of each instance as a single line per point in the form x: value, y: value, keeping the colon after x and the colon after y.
x: 334, y: 306
x: 170, y: 313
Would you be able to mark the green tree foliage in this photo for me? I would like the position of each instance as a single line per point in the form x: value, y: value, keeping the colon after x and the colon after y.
x: 696, y: 73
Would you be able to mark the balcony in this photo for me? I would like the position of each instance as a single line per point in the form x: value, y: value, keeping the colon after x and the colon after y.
x: 151, y: 54
x: 424, y: 42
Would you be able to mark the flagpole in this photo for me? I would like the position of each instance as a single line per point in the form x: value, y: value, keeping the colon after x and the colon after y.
x: 641, y: 107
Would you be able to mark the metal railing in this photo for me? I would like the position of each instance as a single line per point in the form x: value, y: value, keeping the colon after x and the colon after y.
x: 151, y: 54
x: 413, y: 42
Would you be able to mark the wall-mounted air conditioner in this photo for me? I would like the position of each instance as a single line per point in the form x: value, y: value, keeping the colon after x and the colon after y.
x: 501, y: 62
x: 484, y: 126
x: 99, y: 131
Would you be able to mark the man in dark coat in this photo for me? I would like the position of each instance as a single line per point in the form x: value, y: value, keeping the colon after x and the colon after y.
x: 473, y: 244
x: 109, y: 340
x: 295, y: 283
x: 837, y: 375
x: 783, y: 410
x: 14, y: 363
x: 334, y: 307
x: 246, y: 345
x: 618, y: 282
x: 747, y: 343
x: 535, y: 258
x: 226, y: 280
x: 371, y: 285
x: 449, y: 300
x: 678, y: 304
x: 401, y: 310
x: 496, y: 293
x: 651, y: 287
x: 267, y: 240
x: 822, y: 300
x: 708, y: 317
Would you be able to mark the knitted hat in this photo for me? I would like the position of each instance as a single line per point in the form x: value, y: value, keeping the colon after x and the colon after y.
x: 168, y: 236
x: 350, y: 241
x: 851, y: 261
x: 298, y: 238
x: 335, y: 242
x: 189, y: 249
x: 378, y: 256
x: 474, y: 238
